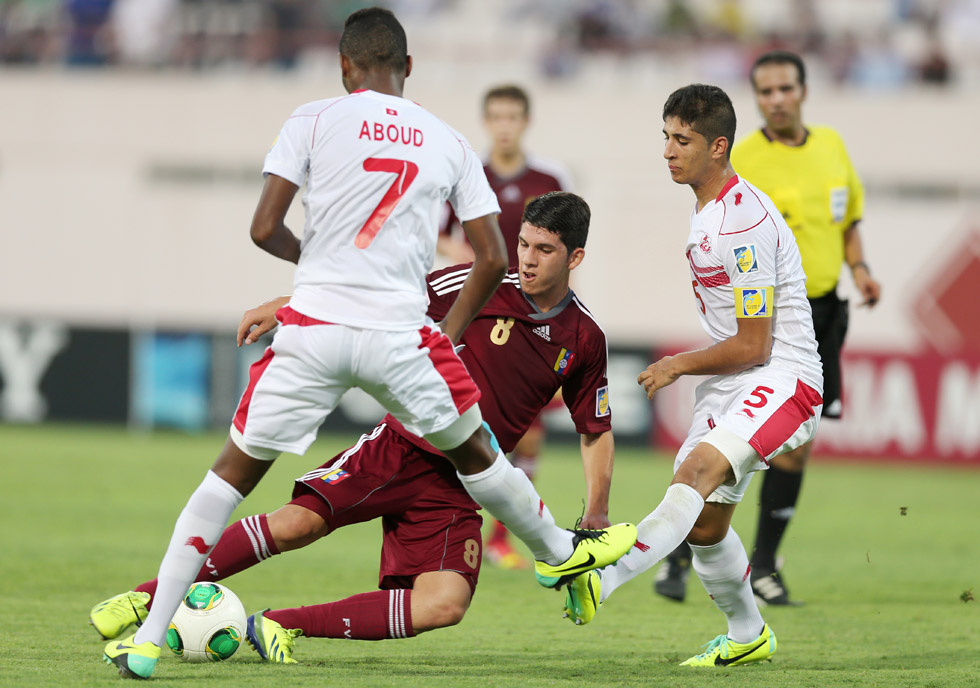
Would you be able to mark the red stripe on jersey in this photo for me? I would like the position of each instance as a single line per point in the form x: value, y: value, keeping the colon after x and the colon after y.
x: 727, y: 187
x: 451, y: 368
x: 786, y: 420
x: 715, y: 281
x: 254, y: 373
x: 711, y: 276
x: 287, y: 316
x: 764, y: 218
x: 710, y: 270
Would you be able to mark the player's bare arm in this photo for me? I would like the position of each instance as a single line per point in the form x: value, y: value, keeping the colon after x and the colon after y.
x: 750, y: 346
x: 257, y: 321
x: 269, y: 230
x: 597, y: 460
x: 489, y: 267
x: 867, y: 285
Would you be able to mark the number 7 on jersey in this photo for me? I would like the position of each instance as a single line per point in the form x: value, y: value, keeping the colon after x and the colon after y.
x: 406, y: 172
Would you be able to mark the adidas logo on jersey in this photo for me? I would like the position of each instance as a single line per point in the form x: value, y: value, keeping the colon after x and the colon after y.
x: 543, y: 331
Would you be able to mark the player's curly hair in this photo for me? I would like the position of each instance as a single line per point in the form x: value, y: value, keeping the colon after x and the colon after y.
x: 706, y: 109
x: 373, y: 38
x: 563, y: 213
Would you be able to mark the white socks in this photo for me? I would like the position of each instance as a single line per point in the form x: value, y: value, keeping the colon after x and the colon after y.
x: 198, y: 528
x: 505, y: 492
x: 724, y: 572
x: 657, y: 535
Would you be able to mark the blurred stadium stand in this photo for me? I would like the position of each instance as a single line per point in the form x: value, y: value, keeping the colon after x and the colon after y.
x: 875, y: 43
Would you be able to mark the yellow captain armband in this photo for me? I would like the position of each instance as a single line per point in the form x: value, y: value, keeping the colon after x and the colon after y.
x: 754, y: 302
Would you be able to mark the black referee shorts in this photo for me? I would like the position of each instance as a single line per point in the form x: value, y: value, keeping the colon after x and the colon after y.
x: 830, y: 326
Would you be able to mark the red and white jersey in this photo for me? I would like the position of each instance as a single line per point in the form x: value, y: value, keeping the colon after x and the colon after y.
x: 378, y: 170
x: 745, y: 264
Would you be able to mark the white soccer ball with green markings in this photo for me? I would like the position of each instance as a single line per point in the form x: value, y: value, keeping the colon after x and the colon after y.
x: 209, y: 625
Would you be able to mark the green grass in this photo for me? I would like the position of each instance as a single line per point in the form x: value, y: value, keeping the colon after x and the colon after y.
x: 86, y: 513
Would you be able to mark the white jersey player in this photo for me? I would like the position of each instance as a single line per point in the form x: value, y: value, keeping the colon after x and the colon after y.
x: 384, y: 168
x: 764, y: 394
x: 377, y: 170
x: 745, y: 265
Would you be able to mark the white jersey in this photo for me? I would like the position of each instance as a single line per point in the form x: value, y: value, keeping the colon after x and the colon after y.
x: 378, y: 170
x: 745, y: 264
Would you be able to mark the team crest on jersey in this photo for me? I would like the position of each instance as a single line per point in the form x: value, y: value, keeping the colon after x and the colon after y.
x: 602, y: 402
x: 705, y: 245
x: 753, y: 302
x: 745, y: 259
x: 335, y: 476
x: 565, y: 358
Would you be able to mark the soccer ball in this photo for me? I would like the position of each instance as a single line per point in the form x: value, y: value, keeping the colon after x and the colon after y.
x: 209, y: 624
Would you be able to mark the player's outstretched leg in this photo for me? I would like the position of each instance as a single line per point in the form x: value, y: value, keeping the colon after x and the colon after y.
x: 113, y: 616
x: 505, y: 492
x: 583, y: 596
x: 724, y: 652
x: 135, y: 660
x: 594, y: 549
x: 267, y: 637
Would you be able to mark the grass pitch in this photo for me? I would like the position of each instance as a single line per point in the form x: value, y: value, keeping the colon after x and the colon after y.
x: 885, y: 557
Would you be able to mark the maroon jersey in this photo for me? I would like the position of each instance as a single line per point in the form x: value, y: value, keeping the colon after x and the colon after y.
x: 519, y: 357
x: 514, y: 193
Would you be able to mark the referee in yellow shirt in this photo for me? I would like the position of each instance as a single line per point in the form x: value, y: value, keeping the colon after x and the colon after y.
x: 807, y: 173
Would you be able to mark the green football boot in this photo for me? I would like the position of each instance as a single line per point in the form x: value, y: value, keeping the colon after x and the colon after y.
x: 116, y: 614
x: 273, y: 642
x: 134, y: 661
x: 582, y: 597
x: 723, y: 652
x: 593, y: 550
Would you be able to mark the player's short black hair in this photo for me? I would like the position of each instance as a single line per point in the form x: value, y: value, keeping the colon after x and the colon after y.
x: 563, y: 213
x: 779, y: 57
x: 373, y: 38
x: 706, y: 109
x: 509, y: 92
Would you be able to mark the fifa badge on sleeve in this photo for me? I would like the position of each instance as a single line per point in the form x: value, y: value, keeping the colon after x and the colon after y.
x: 753, y: 302
x: 602, y: 402
x: 745, y: 259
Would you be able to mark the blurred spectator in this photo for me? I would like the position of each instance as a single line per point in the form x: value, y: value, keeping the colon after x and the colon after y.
x: 28, y: 30
x: 89, y: 41
x: 934, y: 68
x: 877, y: 65
x: 145, y: 31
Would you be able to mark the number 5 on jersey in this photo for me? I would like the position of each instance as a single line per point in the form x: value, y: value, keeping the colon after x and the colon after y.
x: 405, y: 172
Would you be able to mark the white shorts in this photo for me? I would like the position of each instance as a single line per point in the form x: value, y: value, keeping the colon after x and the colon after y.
x: 300, y: 378
x: 771, y: 409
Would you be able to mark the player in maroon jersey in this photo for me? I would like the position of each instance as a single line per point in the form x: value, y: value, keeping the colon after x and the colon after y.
x: 514, y: 175
x: 532, y: 338
x: 516, y: 178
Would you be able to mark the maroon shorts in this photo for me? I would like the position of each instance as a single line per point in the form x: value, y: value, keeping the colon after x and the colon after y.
x: 430, y: 522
